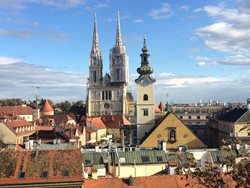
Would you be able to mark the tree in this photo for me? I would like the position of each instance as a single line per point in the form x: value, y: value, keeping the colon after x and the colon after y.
x: 79, y: 110
x: 12, y: 102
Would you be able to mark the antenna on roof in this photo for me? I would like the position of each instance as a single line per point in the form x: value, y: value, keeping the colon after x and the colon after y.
x: 36, y: 92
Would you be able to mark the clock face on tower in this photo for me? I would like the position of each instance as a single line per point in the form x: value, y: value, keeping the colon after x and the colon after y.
x: 145, y: 82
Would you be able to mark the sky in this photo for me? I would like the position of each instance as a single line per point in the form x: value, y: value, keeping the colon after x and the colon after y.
x: 200, y: 50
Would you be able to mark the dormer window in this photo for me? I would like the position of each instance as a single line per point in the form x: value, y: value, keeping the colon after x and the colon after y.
x: 45, y: 174
x: 65, y: 173
x: 21, y: 175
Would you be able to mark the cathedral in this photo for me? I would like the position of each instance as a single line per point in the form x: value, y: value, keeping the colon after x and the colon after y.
x: 107, y: 94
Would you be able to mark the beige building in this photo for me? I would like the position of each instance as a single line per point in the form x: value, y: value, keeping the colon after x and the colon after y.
x: 145, y: 95
x: 22, y: 111
x: 107, y: 95
x: 16, y: 132
x: 174, y: 132
x: 229, y: 125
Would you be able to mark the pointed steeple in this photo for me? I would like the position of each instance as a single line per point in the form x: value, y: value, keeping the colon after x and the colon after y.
x: 95, y: 44
x: 118, y: 42
x: 145, y: 70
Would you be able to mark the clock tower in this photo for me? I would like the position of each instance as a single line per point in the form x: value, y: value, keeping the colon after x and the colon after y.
x: 145, y: 95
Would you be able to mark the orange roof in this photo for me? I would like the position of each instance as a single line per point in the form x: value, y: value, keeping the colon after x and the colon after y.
x: 46, y: 107
x: 157, y: 110
x: 96, y: 122
x: 17, y: 123
x: 166, y: 181
x: 19, y: 110
x: 34, y: 163
x: 115, y: 121
x: 161, y: 106
x: 44, y: 128
x: 62, y: 118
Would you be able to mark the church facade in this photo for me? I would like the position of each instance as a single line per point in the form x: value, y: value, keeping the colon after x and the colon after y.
x: 107, y: 94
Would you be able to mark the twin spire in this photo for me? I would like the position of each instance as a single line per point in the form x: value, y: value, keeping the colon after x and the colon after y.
x: 95, y: 44
x: 118, y: 42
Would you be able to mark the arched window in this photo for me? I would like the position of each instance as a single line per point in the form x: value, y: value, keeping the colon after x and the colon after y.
x: 145, y: 97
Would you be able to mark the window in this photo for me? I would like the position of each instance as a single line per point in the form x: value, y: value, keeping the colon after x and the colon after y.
x: 145, y: 97
x: 181, y: 117
x: 145, y: 112
x: 103, y: 97
x: 172, y: 135
x: 117, y: 74
x: 45, y: 174
x: 94, y: 76
x: 144, y: 58
x: 159, y: 159
x: 65, y: 173
x: 110, y: 95
x: 198, y: 117
x: 189, y: 117
x: 87, y: 161
x: 21, y: 175
x: 106, y: 93
x: 145, y: 159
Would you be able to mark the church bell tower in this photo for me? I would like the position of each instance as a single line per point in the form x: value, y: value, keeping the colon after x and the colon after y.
x: 145, y: 95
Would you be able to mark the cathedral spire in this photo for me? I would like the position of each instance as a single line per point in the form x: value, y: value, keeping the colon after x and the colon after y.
x: 118, y: 42
x: 95, y: 44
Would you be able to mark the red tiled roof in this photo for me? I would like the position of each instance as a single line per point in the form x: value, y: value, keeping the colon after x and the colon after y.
x: 96, y: 122
x: 46, y: 107
x: 19, y: 110
x: 62, y: 118
x: 139, y: 182
x: 115, y: 121
x: 44, y: 128
x: 17, y: 123
x: 157, y: 110
x: 33, y: 163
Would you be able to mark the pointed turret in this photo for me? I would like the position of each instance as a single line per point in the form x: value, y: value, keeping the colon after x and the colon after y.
x: 118, y: 42
x: 95, y: 44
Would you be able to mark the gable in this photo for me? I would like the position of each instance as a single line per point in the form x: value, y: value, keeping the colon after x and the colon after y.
x: 163, y: 130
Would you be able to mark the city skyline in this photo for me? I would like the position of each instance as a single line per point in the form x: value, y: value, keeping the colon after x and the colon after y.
x: 198, y: 50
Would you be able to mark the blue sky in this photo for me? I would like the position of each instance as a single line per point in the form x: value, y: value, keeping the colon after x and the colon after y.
x: 199, y: 49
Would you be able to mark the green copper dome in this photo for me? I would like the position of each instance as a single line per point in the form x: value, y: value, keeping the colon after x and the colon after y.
x: 144, y: 70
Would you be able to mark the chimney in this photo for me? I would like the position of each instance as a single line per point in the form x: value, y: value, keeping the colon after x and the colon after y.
x: 131, y: 181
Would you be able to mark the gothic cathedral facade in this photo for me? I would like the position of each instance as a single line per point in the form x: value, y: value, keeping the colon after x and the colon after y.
x: 107, y: 94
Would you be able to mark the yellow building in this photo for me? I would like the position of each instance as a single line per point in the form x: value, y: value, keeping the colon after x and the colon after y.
x: 174, y: 132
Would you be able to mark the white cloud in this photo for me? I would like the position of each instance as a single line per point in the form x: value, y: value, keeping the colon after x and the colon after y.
x: 230, y: 34
x: 26, y: 34
x: 20, y: 22
x: 184, y: 7
x: 18, y: 79
x: 18, y: 5
x: 16, y: 33
x: 161, y: 13
x: 9, y: 60
x: 138, y: 21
